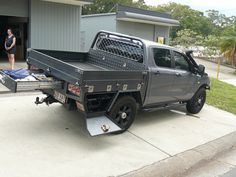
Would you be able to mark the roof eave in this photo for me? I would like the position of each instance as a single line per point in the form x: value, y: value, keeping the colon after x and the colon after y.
x: 146, y: 22
x: 147, y: 19
x: 72, y: 2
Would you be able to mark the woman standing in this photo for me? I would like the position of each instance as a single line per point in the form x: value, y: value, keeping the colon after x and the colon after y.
x: 10, y: 46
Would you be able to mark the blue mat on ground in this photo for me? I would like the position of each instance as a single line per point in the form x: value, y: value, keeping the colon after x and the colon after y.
x: 17, y: 73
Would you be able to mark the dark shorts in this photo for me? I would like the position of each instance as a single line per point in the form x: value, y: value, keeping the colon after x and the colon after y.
x: 12, y: 51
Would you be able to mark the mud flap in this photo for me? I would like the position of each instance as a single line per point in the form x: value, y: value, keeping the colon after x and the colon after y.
x: 101, y: 125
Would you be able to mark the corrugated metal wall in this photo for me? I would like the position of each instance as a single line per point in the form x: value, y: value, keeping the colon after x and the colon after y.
x: 90, y: 25
x: 162, y: 31
x: 54, y: 26
x: 146, y: 31
x: 17, y: 8
x: 141, y: 30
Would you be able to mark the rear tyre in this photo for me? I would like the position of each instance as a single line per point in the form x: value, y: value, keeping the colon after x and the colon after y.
x: 123, y: 113
x: 197, y: 102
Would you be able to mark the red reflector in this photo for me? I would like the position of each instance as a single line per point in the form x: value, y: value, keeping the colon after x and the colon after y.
x: 80, y: 106
x: 74, y: 89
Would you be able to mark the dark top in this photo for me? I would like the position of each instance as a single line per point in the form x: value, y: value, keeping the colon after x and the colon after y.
x: 9, y: 41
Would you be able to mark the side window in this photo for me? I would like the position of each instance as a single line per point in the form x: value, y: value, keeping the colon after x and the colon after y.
x: 162, y: 57
x: 180, y: 61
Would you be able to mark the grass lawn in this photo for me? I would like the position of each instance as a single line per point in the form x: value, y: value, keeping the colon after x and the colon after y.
x: 222, y: 95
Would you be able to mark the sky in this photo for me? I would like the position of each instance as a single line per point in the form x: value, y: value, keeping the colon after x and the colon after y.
x: 227, y: 7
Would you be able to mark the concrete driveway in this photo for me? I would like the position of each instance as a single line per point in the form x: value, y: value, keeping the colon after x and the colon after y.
x: 50, y: 141
x: 3, y: 89
x: 6, y: 65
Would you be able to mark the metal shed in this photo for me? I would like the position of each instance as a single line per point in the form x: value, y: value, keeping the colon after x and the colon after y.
x: 41, y: 24
x: 150, y: 25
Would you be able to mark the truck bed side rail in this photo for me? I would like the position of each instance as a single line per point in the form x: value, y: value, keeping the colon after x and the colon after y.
x: 53, y: 66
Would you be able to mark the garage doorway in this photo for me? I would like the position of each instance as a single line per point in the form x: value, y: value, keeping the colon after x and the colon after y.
x: 19, y: 26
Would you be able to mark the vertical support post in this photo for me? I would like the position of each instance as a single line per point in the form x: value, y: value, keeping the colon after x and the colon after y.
x: 218, y: 69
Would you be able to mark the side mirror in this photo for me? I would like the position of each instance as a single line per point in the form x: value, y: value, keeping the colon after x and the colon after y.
x: 201, y: 69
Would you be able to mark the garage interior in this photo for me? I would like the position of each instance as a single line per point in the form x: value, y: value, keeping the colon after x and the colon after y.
x: 40, y: 24
x: 19, y: 25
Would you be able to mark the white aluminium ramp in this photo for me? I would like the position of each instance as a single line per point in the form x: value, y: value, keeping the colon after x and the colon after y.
x: 101, y: 125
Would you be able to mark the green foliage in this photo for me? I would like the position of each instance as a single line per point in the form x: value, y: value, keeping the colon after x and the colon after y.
x: 212, y: 41
x: 220, y: 21
x: 140, y: 4
x: 189, y: 18
x: 105, y: 6
x: 228, y: 48
x: 222, y: 95
x: 211, y: 44
x: 185, y: 38
x: 228, y: 44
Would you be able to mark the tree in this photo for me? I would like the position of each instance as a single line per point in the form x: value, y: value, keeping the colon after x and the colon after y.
x: 140, y: 4
x: 228, y: 46
x: 185, y: 38
x: 106, y: 6
x: 212, y: 41
x: 189, y: 19
x: 211, y: 44
x: 220, y: 21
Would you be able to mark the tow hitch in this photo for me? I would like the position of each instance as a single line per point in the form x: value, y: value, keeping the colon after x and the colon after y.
x: 48, y: 100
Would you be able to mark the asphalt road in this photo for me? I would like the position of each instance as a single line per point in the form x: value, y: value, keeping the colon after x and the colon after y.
x: 223, y: 166
x: 226, y: 73
x: 211, y: 69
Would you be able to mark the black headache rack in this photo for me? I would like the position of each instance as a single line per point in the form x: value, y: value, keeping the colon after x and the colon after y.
x: 120, y: 45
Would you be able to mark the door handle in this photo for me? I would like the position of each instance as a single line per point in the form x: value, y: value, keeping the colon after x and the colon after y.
x: 178, y: 74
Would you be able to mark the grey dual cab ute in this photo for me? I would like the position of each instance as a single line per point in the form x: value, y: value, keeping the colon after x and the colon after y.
x: 118, y: 76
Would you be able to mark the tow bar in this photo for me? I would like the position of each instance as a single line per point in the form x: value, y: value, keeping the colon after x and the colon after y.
x: 48, y: 100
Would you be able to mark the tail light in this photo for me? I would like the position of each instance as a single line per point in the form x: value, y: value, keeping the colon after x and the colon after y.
x: 74, y: 89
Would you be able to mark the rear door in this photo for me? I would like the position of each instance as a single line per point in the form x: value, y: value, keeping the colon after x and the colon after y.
x: 162, y: 76
x: 184, y: 79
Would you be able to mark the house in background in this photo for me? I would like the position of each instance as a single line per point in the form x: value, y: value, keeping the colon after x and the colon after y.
x: 41, y: 24
x: 150, y: 25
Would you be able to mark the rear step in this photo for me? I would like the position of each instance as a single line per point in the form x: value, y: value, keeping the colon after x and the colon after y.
x: 101, y: 125
x: 20, y: 86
